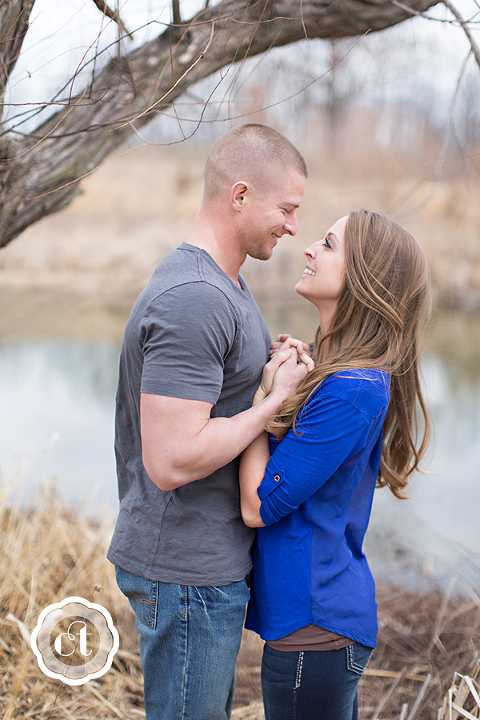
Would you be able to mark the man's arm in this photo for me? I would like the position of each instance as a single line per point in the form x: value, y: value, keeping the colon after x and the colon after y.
x: 182, y: 443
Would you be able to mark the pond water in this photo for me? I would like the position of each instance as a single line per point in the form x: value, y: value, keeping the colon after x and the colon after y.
x: 56, y: 412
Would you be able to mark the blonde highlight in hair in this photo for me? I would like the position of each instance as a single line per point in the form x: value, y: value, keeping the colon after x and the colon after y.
x: 377, y: 325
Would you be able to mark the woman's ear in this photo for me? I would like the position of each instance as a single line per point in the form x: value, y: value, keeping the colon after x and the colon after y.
x: 238, y: 193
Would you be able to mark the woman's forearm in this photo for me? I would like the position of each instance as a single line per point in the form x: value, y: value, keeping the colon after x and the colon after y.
x: 286, y: 366
x: 253, y: 463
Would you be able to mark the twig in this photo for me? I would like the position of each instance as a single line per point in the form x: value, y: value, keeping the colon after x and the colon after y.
x: 189, y: 69
x: 392, y: 674
x: 106, y: 702
x: 466, y: 30
x: 419, y: 13
x: 113, y: 15
x: 441, y: 614
x: 177, y: 18
x: 441, y: 155
x: 388, y: 694
x: 419, y: 699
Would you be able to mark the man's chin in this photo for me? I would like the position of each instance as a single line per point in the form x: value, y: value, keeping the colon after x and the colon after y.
x: 262, y: 255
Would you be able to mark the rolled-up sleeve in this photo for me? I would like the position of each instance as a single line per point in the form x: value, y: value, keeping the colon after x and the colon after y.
x: 329, y: 433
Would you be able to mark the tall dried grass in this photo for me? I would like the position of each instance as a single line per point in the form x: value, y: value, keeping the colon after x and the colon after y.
x: 52, y: 552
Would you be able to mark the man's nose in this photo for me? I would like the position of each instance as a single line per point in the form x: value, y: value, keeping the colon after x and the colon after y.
x: 291, y: 224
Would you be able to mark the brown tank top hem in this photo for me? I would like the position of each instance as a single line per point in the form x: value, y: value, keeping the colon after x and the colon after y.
x: 310, y: 637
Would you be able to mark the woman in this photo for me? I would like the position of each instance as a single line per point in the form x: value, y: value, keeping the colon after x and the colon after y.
x: 350, y: 426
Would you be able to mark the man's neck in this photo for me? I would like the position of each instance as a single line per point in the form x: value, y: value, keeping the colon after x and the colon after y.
x: 222, y: 247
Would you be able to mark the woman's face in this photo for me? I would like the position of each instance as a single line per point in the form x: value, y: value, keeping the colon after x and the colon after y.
x: 322, y: 279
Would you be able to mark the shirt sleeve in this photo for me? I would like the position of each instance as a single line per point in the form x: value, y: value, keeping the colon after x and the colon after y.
x: 330, y: 432
x: 186, y: 335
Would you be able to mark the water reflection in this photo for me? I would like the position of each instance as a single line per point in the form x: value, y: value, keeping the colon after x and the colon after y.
x: 57, y: 420
x: 65, y: 389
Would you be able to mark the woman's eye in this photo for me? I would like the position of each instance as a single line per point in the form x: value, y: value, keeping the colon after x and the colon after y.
x: 326, y: 243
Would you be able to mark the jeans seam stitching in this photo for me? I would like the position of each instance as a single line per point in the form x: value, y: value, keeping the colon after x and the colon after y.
x: 298, y: 675
x: 351, y: 664
x: 147, y: 602
x: 185, y: 652
x: 155, y: 603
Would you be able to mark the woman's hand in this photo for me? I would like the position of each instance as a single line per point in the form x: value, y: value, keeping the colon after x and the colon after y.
x: 291, y: 372
x: 284, y: 372
x: 285, y: 341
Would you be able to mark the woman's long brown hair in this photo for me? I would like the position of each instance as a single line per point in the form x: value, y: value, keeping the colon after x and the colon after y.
x: 377, y: 324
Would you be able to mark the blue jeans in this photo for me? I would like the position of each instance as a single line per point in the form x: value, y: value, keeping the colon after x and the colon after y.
x: 313, y: 685
x: 189, y: 639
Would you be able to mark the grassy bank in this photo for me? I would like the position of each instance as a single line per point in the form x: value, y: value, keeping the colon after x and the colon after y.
x: 52, y: 552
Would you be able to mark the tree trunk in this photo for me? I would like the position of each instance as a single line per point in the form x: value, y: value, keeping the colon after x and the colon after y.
x: 41, y: 173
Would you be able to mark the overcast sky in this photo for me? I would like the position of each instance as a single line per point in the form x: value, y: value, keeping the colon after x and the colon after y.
x: 65, y: 35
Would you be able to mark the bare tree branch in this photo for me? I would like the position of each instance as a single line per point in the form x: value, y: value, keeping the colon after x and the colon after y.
x: 14, y: 15
x: 432, y: 180
x: 466, y: 30
x: 112, y: 14
x: 40, y: 173
x: 177, y: 19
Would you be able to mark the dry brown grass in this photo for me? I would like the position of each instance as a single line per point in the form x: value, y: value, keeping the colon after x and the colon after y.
x: 424, y: 638
x: 48, y: 554
x: 52, y: 552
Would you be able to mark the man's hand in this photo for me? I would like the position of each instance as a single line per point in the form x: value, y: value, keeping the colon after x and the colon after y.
x: 285, y: 341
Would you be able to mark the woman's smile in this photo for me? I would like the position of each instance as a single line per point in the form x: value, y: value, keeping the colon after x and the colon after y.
x: 322, y: 280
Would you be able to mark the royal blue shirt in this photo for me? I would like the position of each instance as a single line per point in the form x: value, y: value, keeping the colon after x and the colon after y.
x: 309, y: 567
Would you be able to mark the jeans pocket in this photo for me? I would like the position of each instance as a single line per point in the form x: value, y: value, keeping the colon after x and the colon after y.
x: 357, y: 657
x: 142, y: 595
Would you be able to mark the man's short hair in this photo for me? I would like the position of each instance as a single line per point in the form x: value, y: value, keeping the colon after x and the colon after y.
x: 254, y: 153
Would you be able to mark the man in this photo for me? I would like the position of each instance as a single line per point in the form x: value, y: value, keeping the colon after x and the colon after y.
x: 193, y: 353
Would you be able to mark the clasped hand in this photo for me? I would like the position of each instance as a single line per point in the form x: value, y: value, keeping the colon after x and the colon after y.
x: 288, y: 366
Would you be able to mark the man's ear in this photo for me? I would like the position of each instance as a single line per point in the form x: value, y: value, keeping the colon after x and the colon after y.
x: 238, y: 193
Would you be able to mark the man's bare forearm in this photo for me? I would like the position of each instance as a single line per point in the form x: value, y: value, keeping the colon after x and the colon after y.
x: 206, y: 445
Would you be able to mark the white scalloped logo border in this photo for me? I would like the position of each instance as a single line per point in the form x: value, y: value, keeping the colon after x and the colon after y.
x: 40, y: 640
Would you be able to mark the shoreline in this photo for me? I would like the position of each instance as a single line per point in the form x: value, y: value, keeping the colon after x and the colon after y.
x: 121, y: 291
x: 141, y: 204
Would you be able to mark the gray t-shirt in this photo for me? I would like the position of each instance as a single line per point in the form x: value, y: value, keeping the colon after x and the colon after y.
x: 192, y: 334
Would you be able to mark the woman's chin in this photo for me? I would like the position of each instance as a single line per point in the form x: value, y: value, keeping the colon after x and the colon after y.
x: 300, y: 290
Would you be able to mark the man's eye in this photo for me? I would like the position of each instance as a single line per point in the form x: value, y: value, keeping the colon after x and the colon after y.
x: 286, y: 211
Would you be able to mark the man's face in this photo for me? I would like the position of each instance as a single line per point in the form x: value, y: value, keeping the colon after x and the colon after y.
x: 269, y: 214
